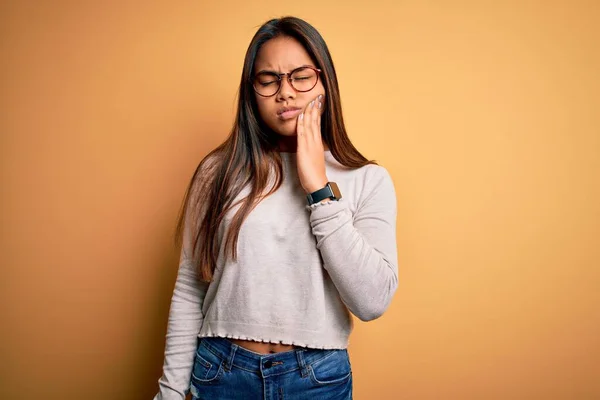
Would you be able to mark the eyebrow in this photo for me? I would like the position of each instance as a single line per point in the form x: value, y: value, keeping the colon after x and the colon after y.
x: 275, y: 72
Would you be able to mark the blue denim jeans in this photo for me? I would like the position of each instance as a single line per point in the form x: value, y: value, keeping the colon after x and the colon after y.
x: 225, y: 371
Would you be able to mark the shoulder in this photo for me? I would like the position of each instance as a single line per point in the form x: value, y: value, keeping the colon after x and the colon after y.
x: 376, y: 182
x: 375, y: 171
x: 373, y: 175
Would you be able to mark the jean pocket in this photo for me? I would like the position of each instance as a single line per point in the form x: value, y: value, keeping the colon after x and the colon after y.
x: 332, y: 369
x: 207, y: 366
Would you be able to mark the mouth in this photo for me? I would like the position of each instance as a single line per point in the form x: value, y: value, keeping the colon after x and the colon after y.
x: 289, y: 114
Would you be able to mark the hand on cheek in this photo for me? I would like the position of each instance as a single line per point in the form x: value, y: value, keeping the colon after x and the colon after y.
x: 310, y: 152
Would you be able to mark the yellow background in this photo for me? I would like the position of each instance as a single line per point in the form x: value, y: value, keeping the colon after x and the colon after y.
x: 485, y: 113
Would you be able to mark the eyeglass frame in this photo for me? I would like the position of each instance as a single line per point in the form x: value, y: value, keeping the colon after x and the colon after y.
x: 289, y: 79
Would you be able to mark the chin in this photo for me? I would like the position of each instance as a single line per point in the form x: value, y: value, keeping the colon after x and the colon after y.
x: 286, y: 131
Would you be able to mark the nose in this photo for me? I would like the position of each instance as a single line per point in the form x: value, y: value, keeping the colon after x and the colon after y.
x: 286, y: 91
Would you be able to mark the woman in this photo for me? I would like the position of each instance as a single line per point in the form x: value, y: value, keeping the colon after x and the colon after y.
x: 287, y: 229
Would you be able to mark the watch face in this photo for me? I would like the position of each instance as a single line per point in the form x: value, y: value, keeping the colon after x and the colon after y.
x: 335, y: 190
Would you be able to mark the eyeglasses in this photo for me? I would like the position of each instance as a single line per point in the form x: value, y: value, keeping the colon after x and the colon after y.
x: 302, y: 79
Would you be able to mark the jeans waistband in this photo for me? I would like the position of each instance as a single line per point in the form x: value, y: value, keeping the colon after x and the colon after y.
x: 265, y: 364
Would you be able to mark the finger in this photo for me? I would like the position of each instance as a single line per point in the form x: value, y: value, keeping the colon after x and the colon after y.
x: 306, y: 120
x: 309, y: 120
x: 319, y: 116
x: 301, y: 128
x: 300, y: 124
x: 314, y: 117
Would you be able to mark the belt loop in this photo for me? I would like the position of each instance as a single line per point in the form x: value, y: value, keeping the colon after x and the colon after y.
x: 229, y: 361
x: 302, y: 363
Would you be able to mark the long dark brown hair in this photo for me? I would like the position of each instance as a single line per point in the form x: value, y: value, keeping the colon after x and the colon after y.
x: 250, y: 152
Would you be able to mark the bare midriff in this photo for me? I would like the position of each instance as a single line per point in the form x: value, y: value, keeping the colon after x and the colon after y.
x: 263, y: 348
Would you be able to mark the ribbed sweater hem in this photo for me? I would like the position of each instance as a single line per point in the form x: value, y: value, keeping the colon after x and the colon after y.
x: 273, y: 334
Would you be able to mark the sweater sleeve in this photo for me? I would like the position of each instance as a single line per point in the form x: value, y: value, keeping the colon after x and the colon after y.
x: 360, y: 252
x: 185, y: 321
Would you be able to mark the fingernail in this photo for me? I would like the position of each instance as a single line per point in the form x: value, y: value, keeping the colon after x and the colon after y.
x: 320, y: 104
x: 320, y: 97
x: 301, y: 116
x: 312, y: 103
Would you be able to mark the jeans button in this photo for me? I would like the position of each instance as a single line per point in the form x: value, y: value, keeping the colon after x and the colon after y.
x: 268, y: 364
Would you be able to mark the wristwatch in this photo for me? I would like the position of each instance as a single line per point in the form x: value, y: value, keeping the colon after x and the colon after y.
x: 330, y: 190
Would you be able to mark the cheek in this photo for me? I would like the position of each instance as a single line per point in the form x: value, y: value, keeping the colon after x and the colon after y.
x: 267, y: 112
x: 320, y: 88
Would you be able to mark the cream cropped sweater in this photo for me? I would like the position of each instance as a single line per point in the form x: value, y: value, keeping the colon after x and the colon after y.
x: 301, y: 270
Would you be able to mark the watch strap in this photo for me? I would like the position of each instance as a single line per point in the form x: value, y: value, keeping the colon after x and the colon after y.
x: 329, y: 191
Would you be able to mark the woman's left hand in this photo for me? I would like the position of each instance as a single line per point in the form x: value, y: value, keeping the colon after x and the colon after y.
x: 310, y: 152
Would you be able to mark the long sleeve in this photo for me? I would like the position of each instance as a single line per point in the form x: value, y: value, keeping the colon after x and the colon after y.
x: 360, y: 252
x: 185, y: 321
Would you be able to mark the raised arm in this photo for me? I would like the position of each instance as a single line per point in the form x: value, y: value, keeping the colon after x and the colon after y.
x: 360, y: 252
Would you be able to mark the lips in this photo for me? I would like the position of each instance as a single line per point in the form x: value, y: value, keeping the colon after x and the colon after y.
x: 285, y: 113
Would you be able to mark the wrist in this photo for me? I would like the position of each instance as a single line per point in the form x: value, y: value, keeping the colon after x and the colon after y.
x: 329, y: 192
x: 314, y: 187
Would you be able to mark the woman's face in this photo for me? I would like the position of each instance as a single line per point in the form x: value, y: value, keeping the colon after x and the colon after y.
x: 280, y: 55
